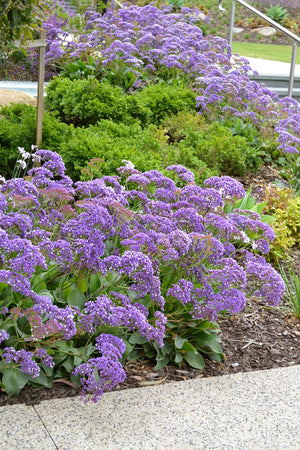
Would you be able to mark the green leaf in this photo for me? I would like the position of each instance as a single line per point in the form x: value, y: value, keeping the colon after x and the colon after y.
x: 68, y: 363
x: 14, y: 381
x: 94, y: 282
x: 77, y: 360
x: 178, y: 357
x: 218, y: 357
x: 137, y: 339
x: 188, y: 347
x: 179, y: 342
x: 161, y: 362
x: 42, y: 380
x: 134, y: 355
x: 64, y: 346
x: 195, y: 360
x: 76, y: 298
x: 83, y: 286
x: 150, y: 352
x: 210, y: 340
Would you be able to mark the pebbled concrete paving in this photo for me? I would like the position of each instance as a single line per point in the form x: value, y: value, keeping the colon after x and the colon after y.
x: 256, y: 410
x: 22, y: 428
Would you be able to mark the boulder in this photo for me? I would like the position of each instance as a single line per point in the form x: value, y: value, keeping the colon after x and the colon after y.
x: 238, y: 30
x: 264, y: 31
x: 8, y: 96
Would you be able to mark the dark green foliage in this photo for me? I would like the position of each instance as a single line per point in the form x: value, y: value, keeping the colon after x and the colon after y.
x: 84, y: 102
x: 221, y: 149
x: 18, y: 129
x: 112, y: 143
x: 228, y: 154
x: 163, y: 101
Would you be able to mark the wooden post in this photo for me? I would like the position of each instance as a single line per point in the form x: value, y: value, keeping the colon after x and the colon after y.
x: 40, y: 91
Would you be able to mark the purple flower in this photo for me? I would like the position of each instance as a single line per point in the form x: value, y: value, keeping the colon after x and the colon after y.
x: 3, y: 336
x: 104, y: 372
x: 227, y: 186
x: 24, y: 359
x: 183, y: 173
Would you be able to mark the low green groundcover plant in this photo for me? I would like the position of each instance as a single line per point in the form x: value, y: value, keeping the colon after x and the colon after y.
x: 95, y: 272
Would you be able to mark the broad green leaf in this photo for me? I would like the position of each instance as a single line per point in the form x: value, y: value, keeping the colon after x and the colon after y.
x: 218, y: 357
x: 76, y: 298
x: 179, y: 342
x: 14, y: 381
x: 211, y: 340
x: 68, y: 364
x: 188, y: 347
x: 46, y: 293
x: 42, y: 380
x: 83, y: 286
x: 195, y: 360
x: 137, y: 339
x: 134, y: 355
x: 161, y: 363
x: 178, y: 357
x: 94, y: 282
x: 77, y: 360
x: 64, y: 346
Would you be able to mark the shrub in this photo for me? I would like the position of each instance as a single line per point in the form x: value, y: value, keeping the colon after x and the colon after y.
x: 85, y: 102
x: 18, y: 129
x: 165, y: 100
x: 277, y: 13
x: 284, y: 206
x: 111, y: 143
x: 220, y: 150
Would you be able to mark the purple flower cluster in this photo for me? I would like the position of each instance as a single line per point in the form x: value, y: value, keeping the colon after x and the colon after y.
x: 150, y: 247
x: 23, y: 358
x: 104, y: 372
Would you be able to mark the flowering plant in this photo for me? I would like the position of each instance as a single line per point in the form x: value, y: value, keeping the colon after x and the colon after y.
x: 85, y: 267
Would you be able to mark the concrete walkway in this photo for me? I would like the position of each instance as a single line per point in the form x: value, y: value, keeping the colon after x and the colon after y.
x: 266, y: 67
x: 256, y: 410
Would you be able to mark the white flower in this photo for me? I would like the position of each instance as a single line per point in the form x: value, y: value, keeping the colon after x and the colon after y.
x: 245, y: 238
x: 36, y: 158
x: 128, y: 164
x: 2, y: 179
x: 34, y: 148
x: 25, y: 155
x: 254, y: 245
x: 21, y: 163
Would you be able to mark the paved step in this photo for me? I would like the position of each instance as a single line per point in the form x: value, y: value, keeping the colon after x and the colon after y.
x: 279, y: 84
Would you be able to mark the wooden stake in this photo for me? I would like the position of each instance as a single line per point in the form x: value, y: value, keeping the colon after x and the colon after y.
x: 40, y: 91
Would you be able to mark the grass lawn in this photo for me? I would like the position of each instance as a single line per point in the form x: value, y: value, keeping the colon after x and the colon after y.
x: 281, y: 53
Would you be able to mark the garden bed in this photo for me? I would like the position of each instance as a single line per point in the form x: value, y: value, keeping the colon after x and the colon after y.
x: 258, y: 338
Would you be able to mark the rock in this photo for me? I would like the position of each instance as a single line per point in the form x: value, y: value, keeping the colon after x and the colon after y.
x: 237, y: 30
x: 264, y: 31
x: 8, y: 96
